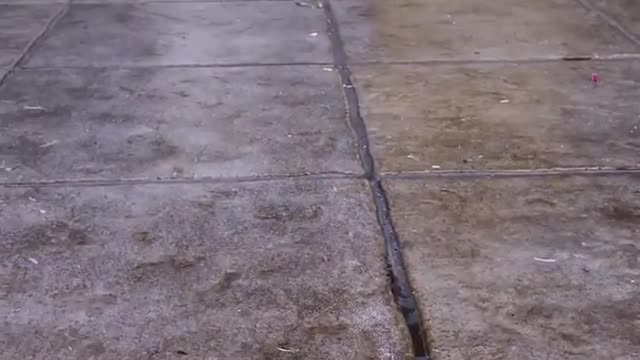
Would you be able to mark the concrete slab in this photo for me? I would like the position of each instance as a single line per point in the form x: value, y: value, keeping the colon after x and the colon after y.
x: 625, y: 12
x: 409, y: 30
x: 32, y: 2
x: 254, y: 271
x: 130, y: 123
x: 185, y: 33
x: 501, y: 116
x: 156, y: 1
x: 19, y: 25
x: 524, y: 268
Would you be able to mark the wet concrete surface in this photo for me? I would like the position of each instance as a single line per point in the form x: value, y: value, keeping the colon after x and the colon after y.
x: 517, y: 265
x: 418, y: 30
x: 184, y: 33
x: 524, y: 268
x: 273, y: 270
x: 624, y: 12
x: 172, y: 122
x: 502, y: 116
x: 179, y: 180
x: 18, y: 26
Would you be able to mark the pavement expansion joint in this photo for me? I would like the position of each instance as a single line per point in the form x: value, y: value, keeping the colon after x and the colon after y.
x: 178, y: 180
x: 171, y: 66
x: 540, y: 59
x: 608, y: 58
x: 400, y: 287
x: 582, y: 171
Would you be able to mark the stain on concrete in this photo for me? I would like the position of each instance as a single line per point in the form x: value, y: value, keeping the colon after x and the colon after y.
x: 183, y: 34
x: 410, y: 30
x: 523, y: 267
x: 228, y: 126
x: 158, y: 274
x: 500, y: 116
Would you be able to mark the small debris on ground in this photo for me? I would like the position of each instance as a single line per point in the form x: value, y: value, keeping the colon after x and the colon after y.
x: 34, y: 107
x: 286, y: 350
x: 504, y: 101
x: 435, y: 167
x: 544, y: 260
x: 3, y: 167
x: 50, y: 143
x: 412, y: 157
x: 33, y: 260
x: 327, y: 69
x: 306, y: 4
x: 595, y: 79
x: 451, y: 19
x: 42, y: 211
x: 313, y: 34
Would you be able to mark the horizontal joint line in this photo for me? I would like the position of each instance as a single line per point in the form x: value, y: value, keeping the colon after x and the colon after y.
x: 417, y: 175
x: 170, y: 181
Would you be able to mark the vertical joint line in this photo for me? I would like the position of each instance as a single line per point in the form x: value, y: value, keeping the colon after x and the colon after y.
x: 400, y: 287
x: 351, y: 96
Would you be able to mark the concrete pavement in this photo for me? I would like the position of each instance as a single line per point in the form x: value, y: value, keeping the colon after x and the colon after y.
x: 367, y: 179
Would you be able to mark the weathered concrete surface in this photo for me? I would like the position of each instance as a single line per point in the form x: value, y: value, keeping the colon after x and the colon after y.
x: 524, y: 268
x: 32, y: 2
x: 185, y: 33
x: 527, y: 267
x: 97, y: 123
x: 273, y: 270
x: 158, y: 1
x: 502, y: 116
x: 624, y: 12
x: 411, y: 30
x: 18, y: 26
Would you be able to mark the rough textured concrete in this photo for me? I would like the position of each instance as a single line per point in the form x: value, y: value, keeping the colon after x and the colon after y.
x: 185, y: 33
x: 624, y: 12
x: 524, y: 268
x: 410, y: 30
x: 32, y: 2
x: 502, y: 116
x: 159, y: 1
x: 273, y: 270
x: 97, y: 124
x: 18, y: 26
